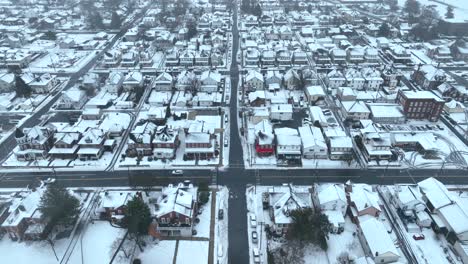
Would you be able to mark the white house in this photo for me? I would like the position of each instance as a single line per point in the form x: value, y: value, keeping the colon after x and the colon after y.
x: 313, y: 143
x: 164, y: 82
x: 73, y: 98
x: 314, y: 93
x: 281, y: 112
x: 356, y: 110
x: 377, y: 242
x: 209, y: 81
x: 254, y: 80
x: 133, y: 80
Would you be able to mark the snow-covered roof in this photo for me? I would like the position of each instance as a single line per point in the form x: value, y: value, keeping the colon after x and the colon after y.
x: 311, y: 136
x: 331, y: 192
x: 435, y: 192
x: 378, y: 240
x: 179, y: 200
x: 364, y: 197
x: 285, y: 199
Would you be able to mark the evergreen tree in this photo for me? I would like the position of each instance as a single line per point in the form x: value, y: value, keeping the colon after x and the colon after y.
x: 116, y: 22
x: 22, y: 89
x: 309, y: 226
x: 50, y: 35
x: 95, y: 20
x: 58, y: 205
x: 384, y: 30
x: 192, y: 30
x: 138, y: 216
x: 257, y: 11
x: 413, y: 7
x: 449, y: 13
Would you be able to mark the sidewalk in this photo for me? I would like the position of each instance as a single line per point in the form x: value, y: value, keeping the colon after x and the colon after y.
x: 212, y: 228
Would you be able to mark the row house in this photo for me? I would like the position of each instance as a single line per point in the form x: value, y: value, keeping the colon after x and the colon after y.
x: 33, y: 143
x: 185, y: 80
x: 354, y: 110
x: 254, y: 80
x: 338, y: 56
x: 440, y: 53
x: 252, y: 57
x: 130, y: 58
x: 355, y: 55
x: 455, y: 92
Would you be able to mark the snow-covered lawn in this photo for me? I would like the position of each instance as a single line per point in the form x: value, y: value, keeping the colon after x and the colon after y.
x: 192, y: 252
x: 162, y: 252
x: 203, y: 227
x: 96, y: 245
x: 31, y: 252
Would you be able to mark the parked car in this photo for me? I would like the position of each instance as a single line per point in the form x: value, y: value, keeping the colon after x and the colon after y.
x: 226, y: 142
x: 177, y: 172
x: 256, y: 255
x: 253, y: 220
x: 220, y: 214
x: 418, y: 237
x: 254, y: 237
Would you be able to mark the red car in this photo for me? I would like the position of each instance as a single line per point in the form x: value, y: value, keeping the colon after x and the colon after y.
x: 418, y: 237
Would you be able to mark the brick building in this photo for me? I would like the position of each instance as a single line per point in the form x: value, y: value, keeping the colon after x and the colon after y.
x: 421, y: 105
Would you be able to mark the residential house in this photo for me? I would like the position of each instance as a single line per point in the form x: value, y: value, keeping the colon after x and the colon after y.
x: 209, y: 81
x: 254, y: 80
x: 165, y: 142
x: 73, y: 98
x: 264, y: 138
x: 314, y: 93
x: 176, y: 211
x: 140, y: 139
x: 164, y: 82
x: 133, y: 80
x: 331, y: 200
x: 33, y: 143
x: 362, y: 201
x: 356, y: 110
x: 292, y: 79
x: 282, y: 200
x: 377, y: 242
x: 428, y: 76
x: 65, y: 145
x: 313, y: 143
x: 92, y: 144
x: 288, y: 146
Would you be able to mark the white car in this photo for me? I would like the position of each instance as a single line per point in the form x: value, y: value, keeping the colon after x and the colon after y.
x: 226, y: 142
x: 253, y: 220
x: 177, y: 172
x: 256, y: 255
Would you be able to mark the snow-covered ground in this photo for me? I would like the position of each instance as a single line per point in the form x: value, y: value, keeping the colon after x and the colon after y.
x: 162, y: 251
x: 347, y: 241
x: 460, y: 10
x: 221, y: 242
x: 192, y: 252
x: 97, y: 243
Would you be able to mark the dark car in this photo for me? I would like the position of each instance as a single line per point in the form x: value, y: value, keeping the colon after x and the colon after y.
x: 220, y: 214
